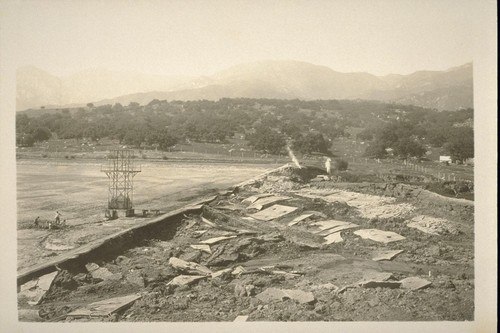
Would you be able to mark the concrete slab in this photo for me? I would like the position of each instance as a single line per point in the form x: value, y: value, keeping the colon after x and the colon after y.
x: 106, y: 307
x: 385, y: 255
x: 253, y: 198
x: 414, y: 283
x: 337, y: 229
x: 333, y: 238
x: 241, y: 318
x: 184, y: 280
x: 35, y: 290
x: 324, y: 225
x: 300, y: 218
x: 216, y: 240
x: 202, y: 247
x: 380, y: 236
x: 221, y: 272
x: 273, y: 212
x: 266, y: 202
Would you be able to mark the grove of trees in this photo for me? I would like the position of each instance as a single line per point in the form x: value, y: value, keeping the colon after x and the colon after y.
x: 269, y: 125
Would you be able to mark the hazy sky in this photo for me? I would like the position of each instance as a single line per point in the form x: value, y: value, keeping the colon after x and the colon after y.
x: 201, y: 37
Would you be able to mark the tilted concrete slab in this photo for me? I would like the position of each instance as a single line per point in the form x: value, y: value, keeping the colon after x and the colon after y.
x: 267, y: 201
x: 300, y: 218
x: 216, y: 239
x: 106, y: 307
x: 273, y: 212
x: 333, y: 238
x: 385, y: 255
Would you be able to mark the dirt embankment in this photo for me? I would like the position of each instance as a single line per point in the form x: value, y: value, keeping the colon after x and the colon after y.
x: 441, y: 206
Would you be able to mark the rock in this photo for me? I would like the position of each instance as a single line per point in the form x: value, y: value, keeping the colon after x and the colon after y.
x: 239, y: 290
x: 193, y: 256
x: 135, y: 277
x: 250, y: 290
x: 190, y: 267
x: 414, y: 283
x: 241, y: 318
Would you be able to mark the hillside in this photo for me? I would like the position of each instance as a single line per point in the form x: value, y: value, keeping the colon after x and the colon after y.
x: 443, y: 90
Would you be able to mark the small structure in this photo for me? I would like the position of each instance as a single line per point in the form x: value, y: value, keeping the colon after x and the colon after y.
x: 120, y: 171
x: 444, y: 159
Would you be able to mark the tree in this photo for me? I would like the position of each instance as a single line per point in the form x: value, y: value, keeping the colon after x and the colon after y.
x: 41, y: 134
x: 376, y: 149
x: 406, y: 147
x: 460, y: 144
x: 311, y: 143
x: 90, y: 105
x: 267, y: 140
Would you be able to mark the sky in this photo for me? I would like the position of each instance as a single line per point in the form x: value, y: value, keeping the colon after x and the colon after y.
x: 201, y: 37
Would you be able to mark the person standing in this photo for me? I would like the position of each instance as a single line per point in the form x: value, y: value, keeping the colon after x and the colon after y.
x: 58, y: 218
x: 328, y: 165
x: 37, y: 221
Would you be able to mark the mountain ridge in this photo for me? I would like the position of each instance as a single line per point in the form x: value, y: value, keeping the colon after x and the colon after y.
x: 289, y: 79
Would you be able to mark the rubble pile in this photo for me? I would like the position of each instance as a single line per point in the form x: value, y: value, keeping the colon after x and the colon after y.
x: 277, y: 252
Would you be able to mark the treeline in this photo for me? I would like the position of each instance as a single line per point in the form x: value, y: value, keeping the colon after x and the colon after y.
x: 410, y: 134
x: 269, y: 125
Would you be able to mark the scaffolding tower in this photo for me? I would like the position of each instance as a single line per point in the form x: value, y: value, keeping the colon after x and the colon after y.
x: 120, y: 171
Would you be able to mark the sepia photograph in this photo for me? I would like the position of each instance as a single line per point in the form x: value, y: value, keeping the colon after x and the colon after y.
x: 314, y: 163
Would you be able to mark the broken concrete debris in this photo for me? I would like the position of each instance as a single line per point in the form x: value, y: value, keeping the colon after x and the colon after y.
x: 337, y: 229
x: 273, y: 212
x: 414, y: 283
x: 222, y: 272
x: 266, y: 202
x: 101, y: 273
x: 202, y: 247
x: 273, y: 294
x: 190, y: 267
x: 106, y: 307
x: 184, y: 280
x: 385, y: 255
x: 433, y: 226
x: 333, y: 238
x: 35, y: 290
x: 300, y: 218
x: 238, y: 270
x: 379, y: 235
x: 253, y: 198
x: 217, y: 239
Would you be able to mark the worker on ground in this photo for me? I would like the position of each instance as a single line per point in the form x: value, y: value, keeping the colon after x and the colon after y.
x: 58, y: 218
x: 37, y: 221
x: 328, y: 165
